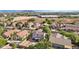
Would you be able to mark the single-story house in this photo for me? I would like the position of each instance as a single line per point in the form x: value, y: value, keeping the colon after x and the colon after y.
x: 10, y: 32
x: 60, y: 41
x: 23, y: 33
x: 70, y: 27
x: 19, y: 34
x: 24, y: 44
x: 37, y: 25
x: 30, y: 25
x: 38, y: 34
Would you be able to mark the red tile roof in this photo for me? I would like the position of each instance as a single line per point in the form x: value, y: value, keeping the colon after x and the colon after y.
x: 18, y: 32
x: 9, y: 32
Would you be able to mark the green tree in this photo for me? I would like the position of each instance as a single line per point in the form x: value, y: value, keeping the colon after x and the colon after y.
x: 2, y: 41
x: 1, y: 30
x: 47, y: 30
x: 43, y: 44
x: 31, y: 20
x: 48, y: 21
x: 14, y: 46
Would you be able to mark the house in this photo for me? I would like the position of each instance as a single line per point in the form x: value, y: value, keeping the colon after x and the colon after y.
x: 60, y: 41
x: 25, y: 44
x: 34, y: 25
x: 70, y: 27
x: 16, y: 34
x: 37, y: 25
x: 10, y: 32
x: 7, y: 47
x: 23, y: 33
x: 30, y: 25
x: 38, y: 34
x: 67, y: 27
x: 54, y: 26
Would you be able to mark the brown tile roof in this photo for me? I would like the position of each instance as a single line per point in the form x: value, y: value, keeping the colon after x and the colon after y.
x: 59, y: 39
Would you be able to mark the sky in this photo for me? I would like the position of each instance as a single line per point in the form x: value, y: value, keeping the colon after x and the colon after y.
x: 39, y: 5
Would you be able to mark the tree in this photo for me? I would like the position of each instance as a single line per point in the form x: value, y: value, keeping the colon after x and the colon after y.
x: 14, y: 46
x: 48, y: 21
x: 47, y: 30
x: 43, y: 44
x: 31, y: 20
x: 1, y: 30
x: 2, y: 41
x: 19, y: 25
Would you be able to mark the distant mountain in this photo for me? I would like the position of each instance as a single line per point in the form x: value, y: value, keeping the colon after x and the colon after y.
x: 7, y: 10
x: 39, y: 10
x: 27, y: 11
x: 17, y: 11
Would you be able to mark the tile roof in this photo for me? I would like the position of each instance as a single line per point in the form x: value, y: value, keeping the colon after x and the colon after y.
x: 25, y: 43
x: 59, y: 39
x: 18, y: 32
x: 9, y: 32
x: 22, y: 33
